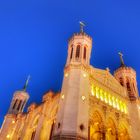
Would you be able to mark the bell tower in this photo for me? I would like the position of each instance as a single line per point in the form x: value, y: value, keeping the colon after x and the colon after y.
x: 19, y: 100
x: 127, y: 78
x: 79, y: 48
x: 72, y: 117
x: 18, y: 103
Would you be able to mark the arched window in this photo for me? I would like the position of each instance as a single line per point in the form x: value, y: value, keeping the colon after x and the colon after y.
x: 134, y: 87
x: 19, y: 105
x: 121, y: 81
x: 78, y: 51
x: 33, y: 135
x: 71, y: 53
x: 128, y: 86
x: 51, y: 133
x: 23, y: 105
x: 84, y: 53
x: 15, y: 104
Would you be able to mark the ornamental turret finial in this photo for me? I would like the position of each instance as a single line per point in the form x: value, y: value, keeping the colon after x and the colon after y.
x: 26, y: 84
x: 121, y: 58
x: 81, y: 26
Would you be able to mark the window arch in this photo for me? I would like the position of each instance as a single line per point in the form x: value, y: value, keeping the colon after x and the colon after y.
x: 78, y: 51
x: 19, y: 105
x: 128, y: 86
x: 96, y: 126
x: 15, y: 104
x: 84, y: 56
x: 110, y: 129
x: 33, y: 135
x: 34, y: 124
x: 121, y: 81
x: 71, y: 52
x: 23, y: 104
x: 134, y: 87
x: 51, y: 133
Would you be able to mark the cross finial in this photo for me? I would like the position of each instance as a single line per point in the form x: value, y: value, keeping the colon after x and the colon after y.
x: 26, y: 84
x: 81, y: 26
x: 121, y: 58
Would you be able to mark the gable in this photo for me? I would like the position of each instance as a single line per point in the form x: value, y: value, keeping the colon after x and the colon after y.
x: 105, y: 78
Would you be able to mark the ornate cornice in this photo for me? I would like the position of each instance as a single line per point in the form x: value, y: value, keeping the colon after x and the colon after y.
x: 79, y: 35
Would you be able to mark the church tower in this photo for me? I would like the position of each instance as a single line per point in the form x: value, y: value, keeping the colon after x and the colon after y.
x: 73, y: 111
x: 127, y: 78
x: 79, y: 48
x: 18, y: 103
x: 19, y: 100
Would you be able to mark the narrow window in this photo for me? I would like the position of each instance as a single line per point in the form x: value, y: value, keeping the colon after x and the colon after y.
x: 78, y: 51
x: 33, y: 135
x: 19, y: 105
x: 121, y: 81
x: 84, y: 52
x: 15, y: 104
x: 128, y: 87
x: 23, y: 105
x: 71, y: 53
x: 134, y: 87
x: 51, y: 134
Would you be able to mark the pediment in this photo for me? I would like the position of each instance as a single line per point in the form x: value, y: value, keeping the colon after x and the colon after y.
x: 105, y: 78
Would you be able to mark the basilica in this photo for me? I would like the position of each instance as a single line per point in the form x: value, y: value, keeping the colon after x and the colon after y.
x: 93, y: 104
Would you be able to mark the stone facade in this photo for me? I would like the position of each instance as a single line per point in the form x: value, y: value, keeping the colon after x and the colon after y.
x: 93, y: 104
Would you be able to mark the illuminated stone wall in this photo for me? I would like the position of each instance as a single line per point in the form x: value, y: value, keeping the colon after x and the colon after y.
x: 36, y: 124
x: 108, y: 113
x: 109, y: 99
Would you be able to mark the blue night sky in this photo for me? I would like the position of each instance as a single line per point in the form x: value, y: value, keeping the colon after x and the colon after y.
x: 34, y: 36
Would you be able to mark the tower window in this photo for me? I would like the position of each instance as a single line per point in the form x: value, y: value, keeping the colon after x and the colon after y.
x: 121, y: 81
x: 128, y: 87
x: 71, y: 53
x: 82, y: 127
x: 84, y: 53
x: 15, y: 104
x: 59, y: 125
x: 134, y: 87
x: 33, y: 135
x: 78, y: 51
x: 51, y: 134
x: 19, y: 105
x: 23, y: 105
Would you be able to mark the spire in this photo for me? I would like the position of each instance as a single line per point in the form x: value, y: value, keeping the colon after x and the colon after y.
x: 81, y: 26
x: 26, y: 84
x: 121, y: 58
